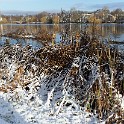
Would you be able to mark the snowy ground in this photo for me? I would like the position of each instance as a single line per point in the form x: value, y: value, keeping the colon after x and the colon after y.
x: 26, y: 106
x: 37, y: 113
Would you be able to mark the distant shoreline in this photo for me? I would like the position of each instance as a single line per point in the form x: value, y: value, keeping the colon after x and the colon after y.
x: 56, y: 24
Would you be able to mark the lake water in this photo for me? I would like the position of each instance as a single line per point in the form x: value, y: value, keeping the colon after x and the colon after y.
x: 113, y: 31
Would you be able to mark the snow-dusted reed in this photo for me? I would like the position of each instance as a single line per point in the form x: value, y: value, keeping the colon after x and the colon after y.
x: 35, y: 91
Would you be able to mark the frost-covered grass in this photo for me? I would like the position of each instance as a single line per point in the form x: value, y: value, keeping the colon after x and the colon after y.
x: 56, y: 85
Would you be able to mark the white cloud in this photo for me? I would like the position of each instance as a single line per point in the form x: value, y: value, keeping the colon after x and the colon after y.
x: 109, y: 5
x: 80, y: 6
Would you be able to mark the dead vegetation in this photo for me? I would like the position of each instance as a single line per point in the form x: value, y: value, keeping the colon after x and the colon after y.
x: 95, y: 73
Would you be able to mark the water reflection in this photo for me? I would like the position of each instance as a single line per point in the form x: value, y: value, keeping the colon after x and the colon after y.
x: 1, y: 28
x: 24, y: 42
x: 113, y: 31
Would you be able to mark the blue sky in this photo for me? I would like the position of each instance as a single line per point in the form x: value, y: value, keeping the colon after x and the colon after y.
x: 47, y: 5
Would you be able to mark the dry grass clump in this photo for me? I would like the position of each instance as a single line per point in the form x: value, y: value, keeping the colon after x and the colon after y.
x: 15, y: 82
x: 59, y: 56
x: 17, y: 33
x: 19, y: 69
x: 44, y: 36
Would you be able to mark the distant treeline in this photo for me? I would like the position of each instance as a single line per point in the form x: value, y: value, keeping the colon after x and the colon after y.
x: 71, y: 16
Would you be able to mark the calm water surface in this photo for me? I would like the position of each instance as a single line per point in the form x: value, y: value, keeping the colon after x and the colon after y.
x: 113, y: 31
